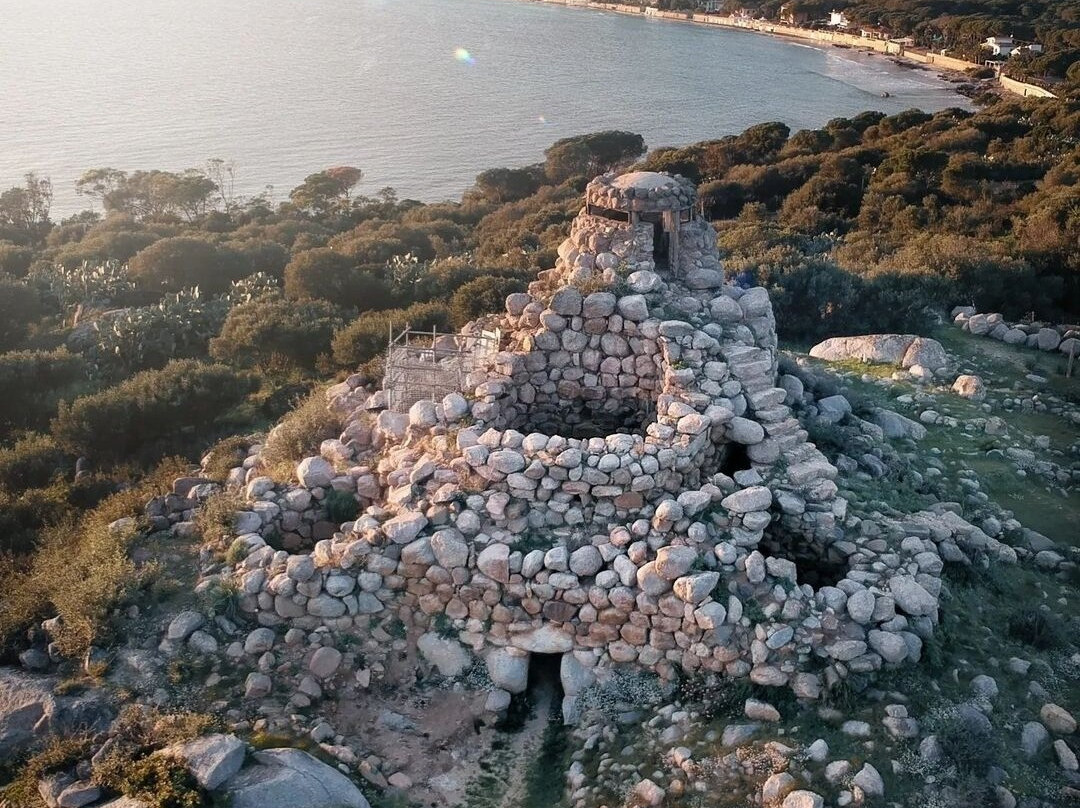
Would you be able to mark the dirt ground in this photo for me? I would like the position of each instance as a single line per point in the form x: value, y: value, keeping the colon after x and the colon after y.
x: 434, y: 738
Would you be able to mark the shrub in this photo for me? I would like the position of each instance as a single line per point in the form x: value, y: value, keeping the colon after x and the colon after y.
x: 214, y: 520
x: 182, y: 262
x: 33, y: 382
x: 94, y: 283
x: 150, y: 414
x: 80, y: 569
x: 971, y: 747
x: 236, y: 552
x: 271, y: 328
x: 225, y: 455
x: 58, y: 754
x: 323, y: 274
x: 299, y: 434
x: 131, y: 767
x: 815, y: 299
x: 261, y: 256
x: 178, y: 326
x: 341, y: 506
x: 30, y: 463
x: 522, y: 233
x: 157, y: 781
x: 25, y: 514
x: 105, y: 244
x: 19, y: 309
x: 365, y: 338
x: 15, y: 260
x: 481, y: 296
x: 1036, y: 628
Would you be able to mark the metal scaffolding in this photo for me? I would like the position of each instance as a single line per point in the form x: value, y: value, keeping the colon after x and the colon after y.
x: 428, y: 364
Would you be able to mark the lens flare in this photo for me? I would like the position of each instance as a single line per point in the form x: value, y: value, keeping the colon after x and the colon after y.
x: 464, y: 56
x: 541, y: 119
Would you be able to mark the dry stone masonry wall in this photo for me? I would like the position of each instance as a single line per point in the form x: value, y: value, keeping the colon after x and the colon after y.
x: 621, y: 483
x: 1043, y: 336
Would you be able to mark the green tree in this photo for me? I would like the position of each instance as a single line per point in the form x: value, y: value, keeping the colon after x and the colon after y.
x: 326, y: 192
x: 182, y: 262
x: 270, y: 329
x: 484, y: 295
x: 19, y: 309
x: 154, y: 413
x: 591, y: 154
x: 150, y: 194
x: 323, y: 274
x: 501, y: 185
x: 24, y: 210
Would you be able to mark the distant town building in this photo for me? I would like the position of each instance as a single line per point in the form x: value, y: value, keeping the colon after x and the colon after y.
x: 712, y: 6
x: 873, y: 33
x: 1003, y: 47
x: 837, y: 19
x: 1034, y: 47
x: 1000, y: 45
x: 793, y: 16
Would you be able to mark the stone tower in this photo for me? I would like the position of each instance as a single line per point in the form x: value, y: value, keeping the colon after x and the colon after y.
x: 619, y: 481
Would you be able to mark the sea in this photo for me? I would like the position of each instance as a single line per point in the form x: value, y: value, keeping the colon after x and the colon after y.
x: 420, y: 94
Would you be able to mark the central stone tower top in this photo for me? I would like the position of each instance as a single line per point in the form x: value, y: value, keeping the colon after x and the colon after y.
x: 643, y: 220
x: 640, y: 192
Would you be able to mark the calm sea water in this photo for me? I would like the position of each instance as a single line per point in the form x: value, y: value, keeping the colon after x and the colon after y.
x: 286, y: 87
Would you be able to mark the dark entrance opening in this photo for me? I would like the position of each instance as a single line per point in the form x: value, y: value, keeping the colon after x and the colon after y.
x: 815, y: 564
x: 545, y: 679
x: 660, y: 246
x: 734, y: 458
x: 588, y: 419
x: 541, y: 700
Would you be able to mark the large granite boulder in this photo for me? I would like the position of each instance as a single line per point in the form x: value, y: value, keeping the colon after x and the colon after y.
x: 211, y: 759
x: 291, y: 778
x: 30, y: 712
x: 902, y: 350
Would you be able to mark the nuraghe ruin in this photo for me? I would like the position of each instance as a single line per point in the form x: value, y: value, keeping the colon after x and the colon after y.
x: 620, y: 483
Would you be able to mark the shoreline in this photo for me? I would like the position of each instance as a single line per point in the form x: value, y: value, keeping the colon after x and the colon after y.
x: 950, y: 70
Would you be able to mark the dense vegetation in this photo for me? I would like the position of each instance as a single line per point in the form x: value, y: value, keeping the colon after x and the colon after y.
x: 960, y: 27
x: 178, y: 314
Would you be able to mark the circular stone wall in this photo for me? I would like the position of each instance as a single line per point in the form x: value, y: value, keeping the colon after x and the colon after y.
x: 641, y: 191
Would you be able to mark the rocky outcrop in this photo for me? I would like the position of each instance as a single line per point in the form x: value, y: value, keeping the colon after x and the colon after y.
x: 1039, y: 336
x: 291, y: 778
x: 30, y: 712
x: 903, y: 350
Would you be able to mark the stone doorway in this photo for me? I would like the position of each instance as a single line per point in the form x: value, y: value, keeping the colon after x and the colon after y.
x: 661, y: 245
x: 545, y: 680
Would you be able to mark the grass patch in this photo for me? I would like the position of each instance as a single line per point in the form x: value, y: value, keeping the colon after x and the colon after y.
x: 59, y: 753
x: 214, y: 519
x: 1029, y: 499
x: 81, y: 569
x: 299, y: 434
x: 875, y: 369
x: 1036, y: 628
x: 543, y: 779
x: 225, y: 455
